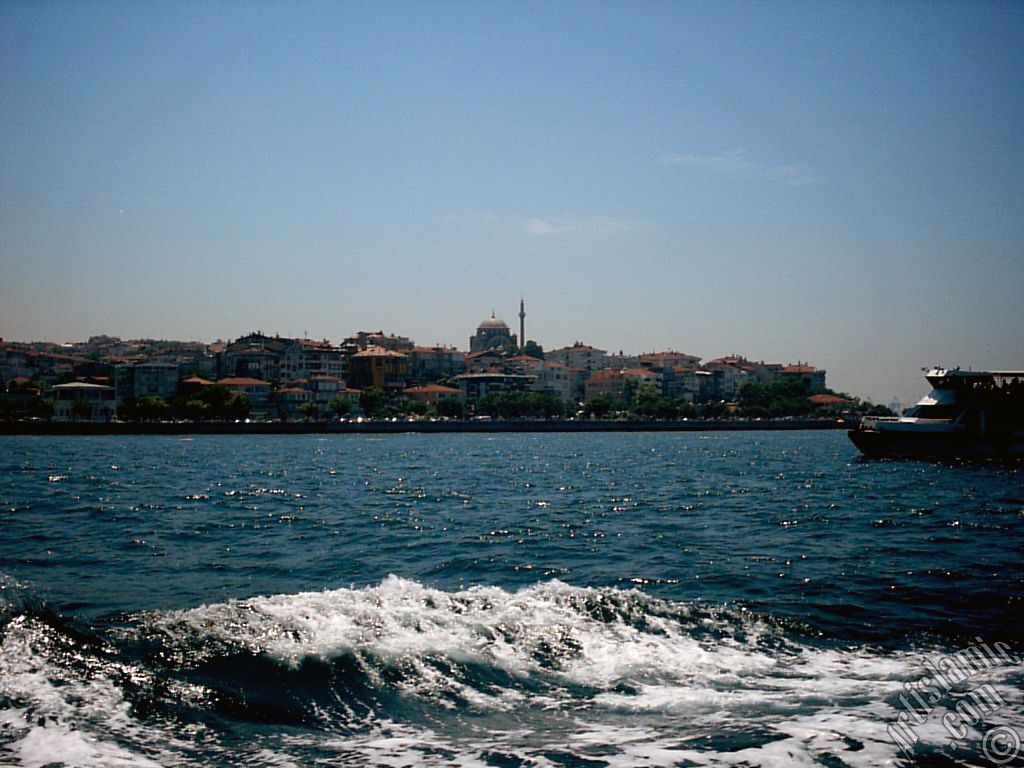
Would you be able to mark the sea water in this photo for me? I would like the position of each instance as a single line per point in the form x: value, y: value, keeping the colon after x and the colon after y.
x: 619, y: 599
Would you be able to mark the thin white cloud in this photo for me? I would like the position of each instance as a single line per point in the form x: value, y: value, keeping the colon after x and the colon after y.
x: 542, y: 226
x: 737, y: 163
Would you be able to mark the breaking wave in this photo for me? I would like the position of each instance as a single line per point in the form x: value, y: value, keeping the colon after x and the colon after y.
x: 400, y: 673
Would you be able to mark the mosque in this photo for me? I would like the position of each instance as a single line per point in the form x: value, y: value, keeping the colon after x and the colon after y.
x: 494, y: 333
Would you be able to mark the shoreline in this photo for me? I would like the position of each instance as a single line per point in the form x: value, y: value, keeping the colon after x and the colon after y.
x: 407, y: 427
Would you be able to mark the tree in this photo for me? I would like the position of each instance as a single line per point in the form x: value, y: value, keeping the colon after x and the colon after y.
x: 533, y: 349
x: 238, y: 406
x: 41, y: 408
x: 685, y: 409
x: 193, y: 410
x: 646, y: 400
x: 716, y: 409
x: 417, y: 407
x: 372, y: 400
x: 508, y: 348
x: 599, y: 407
x: 216, y: 398
x: 629, y: 391
x: 657, y: 407
x: 310, y: 410
x: 8, y: 409
x: 518, y: 405
x: 340, y: 407
x: 787, y: 397
x: 213, y: 402
x: 451, y: 408
x: 150, y: 408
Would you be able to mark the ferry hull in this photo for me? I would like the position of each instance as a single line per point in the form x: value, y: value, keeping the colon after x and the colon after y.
x: 948, y: 445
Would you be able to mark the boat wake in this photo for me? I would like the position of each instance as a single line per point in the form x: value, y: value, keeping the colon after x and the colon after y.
x: 404, y: 674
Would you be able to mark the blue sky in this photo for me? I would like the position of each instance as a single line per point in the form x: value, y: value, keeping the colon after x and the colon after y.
x: 835, y: 182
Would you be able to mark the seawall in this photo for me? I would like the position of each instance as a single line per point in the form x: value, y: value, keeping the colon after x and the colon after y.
x: 401, y: 427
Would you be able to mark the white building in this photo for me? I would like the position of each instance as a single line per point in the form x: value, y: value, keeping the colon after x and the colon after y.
x: 553, y: 379
x: 83, y: 402
x: 580, y: 356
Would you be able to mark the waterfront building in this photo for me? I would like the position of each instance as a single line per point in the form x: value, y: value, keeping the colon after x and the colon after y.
x: 275, y: 358
x: 363, y: 340
x: 14, y: 362
x: 548, y: 377
x: 613, y: 383
x: 302, y: 358
x: 481, y: 362
x: 644, y: 377
x: 432, y: 393
x: 378, y: 367
x: 352, y: 396
x: 826, y: 402
x: 252, y: 357
x: 577, y: 380
x: 476, y: 385
x: 579, y: 355
x: 705, y: 386
x: 663, y: 361
x: 554, y: 379
x: 671, y: 366
x: 290, y: 400
x: 728, y: 375
x: 621, y: 361
x: 606, y: 382
x: 813, y: 377
x: 256, y: 390
x: 133, y: 381
x: 192, y: 386
x: 323, y: 389
x: 769, y: 373
x: 79, y: 401
x: 427, y: 364
x: 684, y: 383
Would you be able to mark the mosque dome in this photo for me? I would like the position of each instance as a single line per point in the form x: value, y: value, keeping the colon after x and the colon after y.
x: 492, y: 323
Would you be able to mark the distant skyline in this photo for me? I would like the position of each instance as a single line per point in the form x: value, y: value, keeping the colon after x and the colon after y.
x: 841, y: 183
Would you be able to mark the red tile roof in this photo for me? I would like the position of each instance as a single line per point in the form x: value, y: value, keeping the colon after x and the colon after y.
x: 378, y: 352
x: 429, y: 388
x: 606, y: 374
x: 667, y: 355
x: 241, y: 381
x: 828, y: 400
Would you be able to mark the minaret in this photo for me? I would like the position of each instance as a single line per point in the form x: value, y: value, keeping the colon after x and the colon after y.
x: 522, y: 324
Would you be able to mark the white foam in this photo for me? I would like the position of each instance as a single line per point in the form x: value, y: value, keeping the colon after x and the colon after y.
x: 50, y: 744
x: 541, y: 630
x: 64, y: 716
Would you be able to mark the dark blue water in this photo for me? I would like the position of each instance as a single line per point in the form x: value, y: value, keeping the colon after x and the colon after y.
x: 591, y: 600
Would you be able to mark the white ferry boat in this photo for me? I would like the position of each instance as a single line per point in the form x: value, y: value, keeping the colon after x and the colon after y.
x: 968, y: 414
